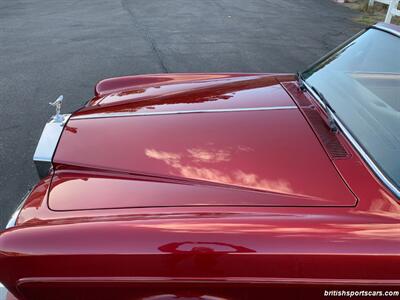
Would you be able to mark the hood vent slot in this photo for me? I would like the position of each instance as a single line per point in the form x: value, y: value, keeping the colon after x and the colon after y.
x: 328, y: 138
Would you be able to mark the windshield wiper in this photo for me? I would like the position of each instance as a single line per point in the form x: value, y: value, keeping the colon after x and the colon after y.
x: 328, y: 110
x: 300, y: 81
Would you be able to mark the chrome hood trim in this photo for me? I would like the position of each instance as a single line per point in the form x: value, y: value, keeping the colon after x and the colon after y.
x: 133, y: 114
x: 47, y: 145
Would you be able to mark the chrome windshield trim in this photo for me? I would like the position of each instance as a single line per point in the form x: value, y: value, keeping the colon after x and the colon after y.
x: 384, y: 28
x: 47, y: 145
x: 161, y: 113
x: 358, y: 147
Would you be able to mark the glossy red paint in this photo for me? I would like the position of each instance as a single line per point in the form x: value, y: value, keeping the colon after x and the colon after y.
x: 176, y: 92
x: 184, y: 249
x: 267, y: 153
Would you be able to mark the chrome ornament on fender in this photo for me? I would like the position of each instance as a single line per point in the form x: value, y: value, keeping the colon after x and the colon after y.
x: 49, y: 139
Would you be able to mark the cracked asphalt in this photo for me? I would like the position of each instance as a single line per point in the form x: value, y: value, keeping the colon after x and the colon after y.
x: 48, y: 48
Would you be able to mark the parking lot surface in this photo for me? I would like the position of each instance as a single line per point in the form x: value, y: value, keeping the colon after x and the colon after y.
x: 48, y: 48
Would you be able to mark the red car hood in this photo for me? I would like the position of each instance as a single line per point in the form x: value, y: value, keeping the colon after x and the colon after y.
x: 192, y: 140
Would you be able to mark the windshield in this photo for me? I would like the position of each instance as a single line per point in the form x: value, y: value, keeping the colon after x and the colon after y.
x: 361, y: 82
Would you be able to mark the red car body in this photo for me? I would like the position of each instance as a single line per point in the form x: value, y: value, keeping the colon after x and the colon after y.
x: 202, y: 186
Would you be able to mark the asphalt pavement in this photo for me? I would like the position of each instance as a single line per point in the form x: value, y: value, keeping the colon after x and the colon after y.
x: 48, y: 48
